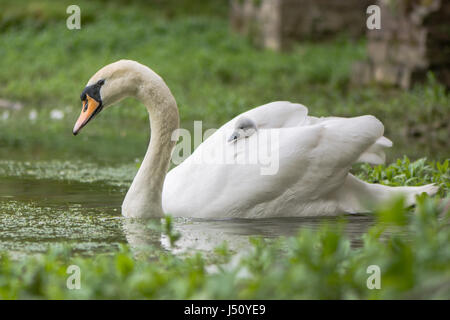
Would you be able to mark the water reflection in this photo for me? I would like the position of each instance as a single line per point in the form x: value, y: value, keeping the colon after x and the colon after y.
x: 36, y: 213
x: 205, y: 235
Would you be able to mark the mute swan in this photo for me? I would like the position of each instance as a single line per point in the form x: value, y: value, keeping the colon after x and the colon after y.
x: 314, y: 156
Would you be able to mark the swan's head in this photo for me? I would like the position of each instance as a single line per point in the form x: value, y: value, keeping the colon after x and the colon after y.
x: 108, y: 86
x: 243, y: 128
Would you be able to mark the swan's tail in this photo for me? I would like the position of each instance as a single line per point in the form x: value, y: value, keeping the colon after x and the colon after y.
x: 357, y: 196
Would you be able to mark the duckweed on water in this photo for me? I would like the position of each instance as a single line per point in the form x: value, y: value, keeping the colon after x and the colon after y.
x: 71, y: 171
x: 32, y: 228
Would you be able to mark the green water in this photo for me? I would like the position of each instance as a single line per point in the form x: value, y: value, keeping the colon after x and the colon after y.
x: 46, y: 203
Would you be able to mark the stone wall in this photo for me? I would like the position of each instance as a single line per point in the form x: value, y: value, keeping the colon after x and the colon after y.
x: 276, y: 24
x: 414, y: 38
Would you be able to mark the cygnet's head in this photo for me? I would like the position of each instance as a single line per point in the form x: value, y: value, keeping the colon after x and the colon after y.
x: 243, y: 128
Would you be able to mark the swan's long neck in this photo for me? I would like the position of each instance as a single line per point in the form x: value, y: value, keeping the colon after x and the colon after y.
x: 143, y: 199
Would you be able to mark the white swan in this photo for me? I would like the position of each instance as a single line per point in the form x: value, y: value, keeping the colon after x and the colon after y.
x: 312, y: 157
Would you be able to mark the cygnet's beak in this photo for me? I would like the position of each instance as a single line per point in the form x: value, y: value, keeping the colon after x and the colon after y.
x: 234, y: 136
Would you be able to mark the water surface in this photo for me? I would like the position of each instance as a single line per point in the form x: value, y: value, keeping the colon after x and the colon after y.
x: 75, y: 203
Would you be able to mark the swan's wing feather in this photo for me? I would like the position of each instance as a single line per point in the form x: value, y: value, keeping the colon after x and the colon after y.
x: 313, y: 161
x: 278, y: 114
x: 346, y: 139
x: 324, y: 153
x: 374, y: 154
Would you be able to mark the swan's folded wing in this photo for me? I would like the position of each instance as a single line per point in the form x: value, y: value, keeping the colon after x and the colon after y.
x: 374, y: 154
x: 345, y: 140
x: 278, y: 114
x: 309, y: 164
x: 339, y: 144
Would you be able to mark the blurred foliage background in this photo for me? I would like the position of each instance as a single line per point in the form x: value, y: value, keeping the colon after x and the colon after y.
x: 213, y: 73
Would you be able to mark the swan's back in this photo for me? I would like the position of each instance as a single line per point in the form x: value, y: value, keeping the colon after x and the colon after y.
x: 278, y: 114
x: 313, y: 162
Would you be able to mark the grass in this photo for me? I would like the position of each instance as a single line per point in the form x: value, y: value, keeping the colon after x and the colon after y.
x: 213, y: 73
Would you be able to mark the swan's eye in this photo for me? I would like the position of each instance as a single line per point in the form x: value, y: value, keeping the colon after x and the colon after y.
x: 101, y: 82
x: 85, y: 102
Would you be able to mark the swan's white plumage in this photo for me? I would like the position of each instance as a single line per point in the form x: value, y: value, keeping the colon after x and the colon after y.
x: 315, y: 155
x: 314, y: 159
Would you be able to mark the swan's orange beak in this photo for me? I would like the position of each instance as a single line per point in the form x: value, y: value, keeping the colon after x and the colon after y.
x: 89, y: 108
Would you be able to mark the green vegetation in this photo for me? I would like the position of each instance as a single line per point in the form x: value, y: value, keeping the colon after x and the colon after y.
x: 406, y: 173
x: 213, y: 73
x: 409, y: 245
